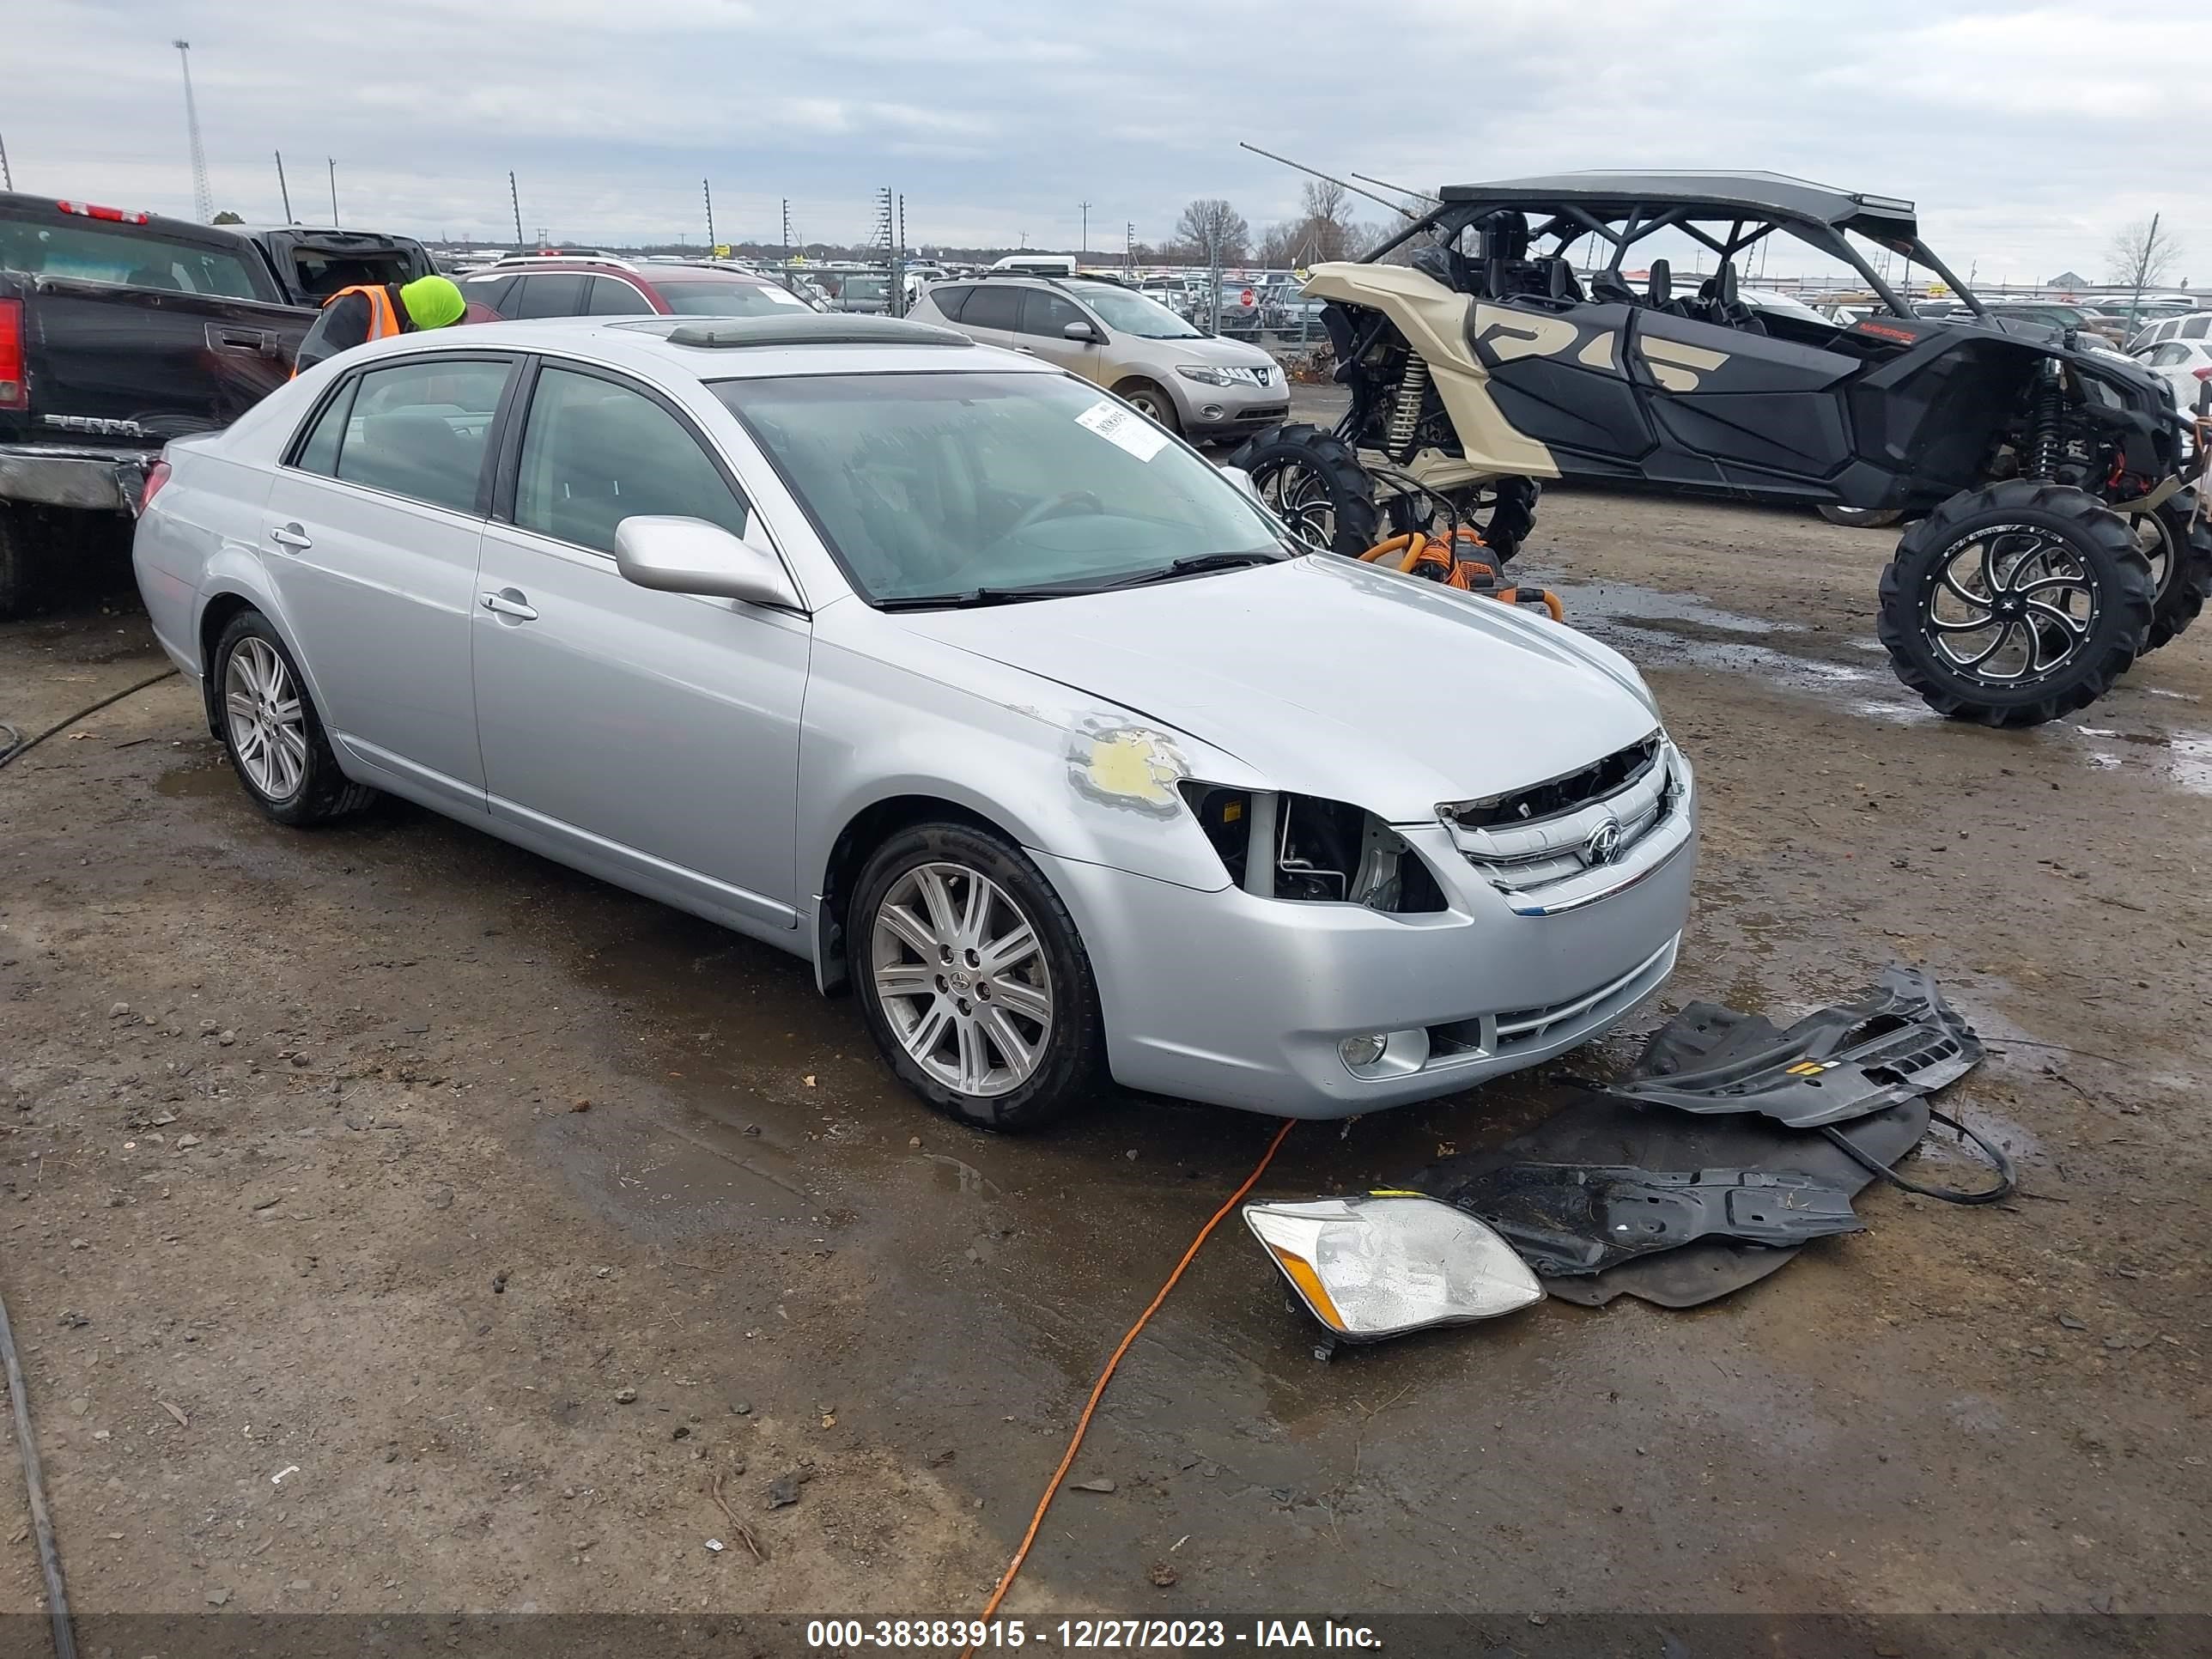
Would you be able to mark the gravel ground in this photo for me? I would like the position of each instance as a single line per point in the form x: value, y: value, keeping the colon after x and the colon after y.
x: 394, y: 1222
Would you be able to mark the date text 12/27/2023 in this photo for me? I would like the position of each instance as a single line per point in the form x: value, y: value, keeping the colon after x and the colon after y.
x: 838, y: 1636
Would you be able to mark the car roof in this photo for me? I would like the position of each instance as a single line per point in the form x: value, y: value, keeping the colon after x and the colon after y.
x: 1771, y: 193
x: 751, y: 347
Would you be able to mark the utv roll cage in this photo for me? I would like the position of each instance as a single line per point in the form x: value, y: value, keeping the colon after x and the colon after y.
x: 1623, y: 208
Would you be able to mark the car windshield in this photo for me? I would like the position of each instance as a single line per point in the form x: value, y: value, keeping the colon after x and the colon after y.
x: 967, y: 487
x: 1135, y: 313
x: 725, y: 298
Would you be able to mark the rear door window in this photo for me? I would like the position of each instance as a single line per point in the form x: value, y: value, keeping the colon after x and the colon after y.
x: 546, y: 294
x: 419, y: 430
x: 610, y: 296
x: 991, y: 306
x: 2195, y: 327
x: 135, y: 258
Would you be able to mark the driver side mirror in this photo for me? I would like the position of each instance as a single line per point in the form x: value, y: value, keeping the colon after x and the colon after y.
x: 1082, y: 333
x: 690, y: 555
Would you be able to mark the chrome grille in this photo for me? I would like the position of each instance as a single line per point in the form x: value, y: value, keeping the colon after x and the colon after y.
x: 1577, y: 835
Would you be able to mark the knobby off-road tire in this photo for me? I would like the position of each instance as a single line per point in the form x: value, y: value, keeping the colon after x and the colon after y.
x: 1313, y: 481
x: 2017, y: 604
x: 1511, y: 516
x: 270, y: 729
x: 972, y: 979
x: 2178, y: 545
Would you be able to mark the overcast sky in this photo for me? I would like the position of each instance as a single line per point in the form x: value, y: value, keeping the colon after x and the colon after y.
x: 2027, y: 133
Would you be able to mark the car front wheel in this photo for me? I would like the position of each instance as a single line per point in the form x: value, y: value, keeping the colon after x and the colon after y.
x: 972, y: 979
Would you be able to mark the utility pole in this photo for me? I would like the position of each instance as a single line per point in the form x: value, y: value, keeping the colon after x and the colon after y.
x: 7, y: 179
x: 1086, y: 206
x: 514, y: 201
x: 202, y: 197
x: 1129, y: 248
x: 333, y: 160
x: 898, y: 262
x: 284, y: 190
x: 708, y: 187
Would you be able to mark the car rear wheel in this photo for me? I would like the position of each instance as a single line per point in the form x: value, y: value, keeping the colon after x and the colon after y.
x: 2017, y: 604
x: 1313, y: 481
x: 2179, y: 546
x: 271, y: 731
x: 972, y: 979
x: 1149, y: 400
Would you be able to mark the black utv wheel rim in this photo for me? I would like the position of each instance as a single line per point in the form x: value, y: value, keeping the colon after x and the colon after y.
x: 2010, y: 604
x: 1297, y: 493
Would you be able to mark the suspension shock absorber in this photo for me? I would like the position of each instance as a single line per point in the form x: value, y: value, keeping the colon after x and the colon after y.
x: 2046, y: 420
x: 1405, y: 412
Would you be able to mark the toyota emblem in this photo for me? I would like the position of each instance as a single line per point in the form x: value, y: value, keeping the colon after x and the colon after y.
x: 1602, y: 844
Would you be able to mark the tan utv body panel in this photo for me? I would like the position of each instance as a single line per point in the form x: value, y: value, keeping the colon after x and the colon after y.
x: 1434, y: 321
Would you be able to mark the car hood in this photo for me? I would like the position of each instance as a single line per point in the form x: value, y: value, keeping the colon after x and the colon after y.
x: 1219, y: 353
x: 1329, y: 679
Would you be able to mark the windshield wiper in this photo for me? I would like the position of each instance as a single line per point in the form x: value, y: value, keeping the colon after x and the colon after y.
x: 980, y: 596
x: 1197, y: 564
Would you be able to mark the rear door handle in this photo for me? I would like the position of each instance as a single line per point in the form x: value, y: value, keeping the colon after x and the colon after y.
x: 291, y: 536
x: 508, y: 603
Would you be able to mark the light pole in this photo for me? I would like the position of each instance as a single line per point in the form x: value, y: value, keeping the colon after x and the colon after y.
x: 1086, y: 206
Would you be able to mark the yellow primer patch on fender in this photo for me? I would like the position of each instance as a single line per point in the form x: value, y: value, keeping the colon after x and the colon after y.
x: 1128, y: 766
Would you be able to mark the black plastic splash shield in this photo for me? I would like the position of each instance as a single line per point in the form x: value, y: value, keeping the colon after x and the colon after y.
x: 1898, y: 1041
x: 1592, y: 1128
x: 1571, y: 1219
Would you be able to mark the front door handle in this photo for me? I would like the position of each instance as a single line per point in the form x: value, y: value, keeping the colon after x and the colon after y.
x: 291, y: 536
x: 509, y: 603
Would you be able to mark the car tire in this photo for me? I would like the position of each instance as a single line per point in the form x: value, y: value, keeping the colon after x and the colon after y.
x: 1861, y: 518
x: 1151, y: 401
x: 1312, y: 480
x: 1005, y: 1049
x: 2178, y: 545
x: 2053, y: 582
x: 271, y: 730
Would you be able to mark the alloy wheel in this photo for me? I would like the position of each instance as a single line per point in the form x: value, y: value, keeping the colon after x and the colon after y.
x: 268, y: 722
x: 2011, y: 604
x: 962, y: 979
x: 1299, y: 495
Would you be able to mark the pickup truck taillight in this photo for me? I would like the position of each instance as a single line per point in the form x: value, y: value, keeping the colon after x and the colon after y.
x: 156, y: 476
x: 14, y: 389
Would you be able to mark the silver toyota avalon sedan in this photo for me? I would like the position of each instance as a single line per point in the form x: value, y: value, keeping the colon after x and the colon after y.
x: 950, y: 672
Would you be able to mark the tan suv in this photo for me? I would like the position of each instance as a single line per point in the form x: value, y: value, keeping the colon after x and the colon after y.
x: 1206, y: 389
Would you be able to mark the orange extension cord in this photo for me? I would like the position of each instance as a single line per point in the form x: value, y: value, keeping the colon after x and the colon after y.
x: 1097, y: 1388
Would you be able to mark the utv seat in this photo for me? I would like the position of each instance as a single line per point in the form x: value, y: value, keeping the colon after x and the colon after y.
x: 1607, y: 288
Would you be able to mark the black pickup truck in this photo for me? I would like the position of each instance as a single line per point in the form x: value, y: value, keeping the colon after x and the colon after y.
x: 119, y: 331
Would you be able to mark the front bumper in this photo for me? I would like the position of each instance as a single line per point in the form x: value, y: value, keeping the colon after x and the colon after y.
x: 1238, y: 1000
x: 1233, y: 412
x: 55, y: 475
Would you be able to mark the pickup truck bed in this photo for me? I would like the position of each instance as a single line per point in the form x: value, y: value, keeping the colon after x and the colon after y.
x: 118, y: 332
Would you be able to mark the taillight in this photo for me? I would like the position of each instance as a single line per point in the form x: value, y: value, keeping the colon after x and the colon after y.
x: 2201, y: 373
x: 156, y: 476
x: 14, y: 387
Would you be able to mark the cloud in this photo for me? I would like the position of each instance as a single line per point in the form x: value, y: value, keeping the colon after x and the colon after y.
x: 2026, y: 132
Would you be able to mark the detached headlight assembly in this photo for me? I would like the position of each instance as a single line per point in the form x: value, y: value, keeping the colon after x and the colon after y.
x: 1206, y: 374
x: 1378, y: 1267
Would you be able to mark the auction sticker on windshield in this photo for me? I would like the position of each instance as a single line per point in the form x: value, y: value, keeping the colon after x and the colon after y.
x: 1124, y: 428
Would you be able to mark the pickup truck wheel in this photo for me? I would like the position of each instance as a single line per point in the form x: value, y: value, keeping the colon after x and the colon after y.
x: 2178, y: 545
x: 271, y: 731
x: 17, y: 585
x: 2017, y: 604
x: 972, y: 979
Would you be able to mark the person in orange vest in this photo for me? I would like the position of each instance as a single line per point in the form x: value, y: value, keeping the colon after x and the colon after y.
x: 377, y: 310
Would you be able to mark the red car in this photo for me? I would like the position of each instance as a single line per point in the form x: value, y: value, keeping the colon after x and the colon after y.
x: 606, y: 288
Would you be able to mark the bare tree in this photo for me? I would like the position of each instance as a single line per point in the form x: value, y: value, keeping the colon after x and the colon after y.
x: 2142, y: 254
x: 1211, y: 229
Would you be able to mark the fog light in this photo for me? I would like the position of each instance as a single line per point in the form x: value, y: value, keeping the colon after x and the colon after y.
x: 1359, y: 1052
x: 1211, y: 412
